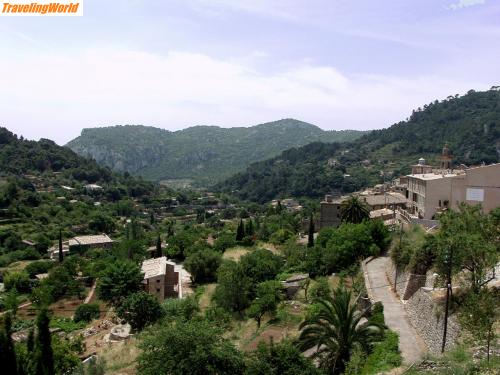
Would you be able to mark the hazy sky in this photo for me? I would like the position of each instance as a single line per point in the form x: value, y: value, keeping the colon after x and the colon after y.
x: 339, y: 64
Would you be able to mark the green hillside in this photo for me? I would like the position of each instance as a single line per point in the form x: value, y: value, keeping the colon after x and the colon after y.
x: 470, y: 124
x: 205, y: 154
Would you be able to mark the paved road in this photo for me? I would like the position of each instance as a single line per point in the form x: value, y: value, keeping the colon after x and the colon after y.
x: 411, y: 345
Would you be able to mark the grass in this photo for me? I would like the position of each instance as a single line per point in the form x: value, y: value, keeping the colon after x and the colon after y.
x: 235, y: 253
x: 206, y: 296
x: 16, y: 266
x: 120, y: 358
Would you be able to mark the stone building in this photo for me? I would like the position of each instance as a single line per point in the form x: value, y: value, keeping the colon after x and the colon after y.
x: 161, y: 278
x: 430, y: 191
x: 378, y: 200
x: 330, y: 211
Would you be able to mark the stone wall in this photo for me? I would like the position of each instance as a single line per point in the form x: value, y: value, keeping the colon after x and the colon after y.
x: 408, y: 283
x: 426, y: 313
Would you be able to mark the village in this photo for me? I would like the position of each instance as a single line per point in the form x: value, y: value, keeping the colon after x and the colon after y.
x: 168, y: 238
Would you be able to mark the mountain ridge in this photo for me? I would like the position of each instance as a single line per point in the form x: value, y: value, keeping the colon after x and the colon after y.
x: 470, y: 124
x: 204, y: 153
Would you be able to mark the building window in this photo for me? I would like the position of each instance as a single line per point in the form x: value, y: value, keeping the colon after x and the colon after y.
x: 440, y: 203
x: 158, y: 280
x: 157, y: 290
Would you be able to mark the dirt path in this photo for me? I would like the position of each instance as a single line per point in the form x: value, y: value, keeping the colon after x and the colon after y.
x: 411, y: 345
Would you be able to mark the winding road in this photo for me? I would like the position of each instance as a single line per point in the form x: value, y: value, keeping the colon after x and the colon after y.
x: 411, y: 345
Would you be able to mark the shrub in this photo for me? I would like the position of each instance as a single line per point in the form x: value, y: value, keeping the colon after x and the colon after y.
x: 87, y: 312
x: 385, y: 355
x: 19, y: 281
x: 183, y: 309
x: 42, y: 266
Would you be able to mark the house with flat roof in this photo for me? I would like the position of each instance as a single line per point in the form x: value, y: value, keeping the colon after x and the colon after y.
x: 162, y: 278
x: 432, y: 192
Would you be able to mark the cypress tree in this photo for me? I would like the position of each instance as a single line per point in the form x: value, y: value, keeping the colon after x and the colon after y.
x: 240, y: 232
x: 7, y: 353
x: 249, y: 228
x: 310, y: 238
x: 30, y: 342
x: 61, y: 256
x: 151, y: 218
x: 257, y: 223
x: 158, y: 247
x: 44, y: 357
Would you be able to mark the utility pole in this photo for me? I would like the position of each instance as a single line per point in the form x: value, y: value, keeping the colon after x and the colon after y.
x: 448, y: 292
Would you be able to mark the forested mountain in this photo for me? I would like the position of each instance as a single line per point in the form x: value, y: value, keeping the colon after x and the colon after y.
x: 203, y: 153
x: 19, y: 157
x: 470, y: 124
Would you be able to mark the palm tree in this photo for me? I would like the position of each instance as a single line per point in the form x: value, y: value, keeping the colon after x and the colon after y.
x: 335, y: 331
x: 354, y: 210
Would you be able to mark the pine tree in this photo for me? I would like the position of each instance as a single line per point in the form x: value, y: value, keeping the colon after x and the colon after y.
x: 151, y: 218
x: 61, y: 256
x: 7, y: 353
x: 310, y: 239
x: 44, y: 357
x: 240, y: 232
x: 158, y: 247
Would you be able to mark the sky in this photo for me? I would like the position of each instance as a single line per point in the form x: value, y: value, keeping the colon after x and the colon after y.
x: 338, y: 64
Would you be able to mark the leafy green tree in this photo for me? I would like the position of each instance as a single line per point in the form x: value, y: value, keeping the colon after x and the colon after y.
x: 479, y: 314
x: 140, y: 310
x: 224, y: 241
x: 379, y: 233
x: 87, y: 312
x: 66, y: 359
x: 118, y: 281
x: 233, y: 287
x: 281, y: 236
x: 261, y: 265
x: 467, y: 240
x: 354, y: 210
x: 266, y: 301
x: 11, y: 301
x: 40, y: 266
x: 7, y: 352
x: 263, y: 232
x: 310, y: 234
x: 282, y: 358
x: 18, y: 281
x: 348, y: 244
x: 320, y: 289
x: 203, y: 265
x: 335, y: 331
x: 100, y: 222
x: 44, y: 355
x: 180, y: 309
x: 194, y: 347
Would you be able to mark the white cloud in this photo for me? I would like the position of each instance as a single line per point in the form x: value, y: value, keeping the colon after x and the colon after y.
x: 56, y: 96
x: 465, y: 4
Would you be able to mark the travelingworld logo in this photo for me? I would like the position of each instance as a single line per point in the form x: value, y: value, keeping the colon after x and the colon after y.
x: 42, y: 8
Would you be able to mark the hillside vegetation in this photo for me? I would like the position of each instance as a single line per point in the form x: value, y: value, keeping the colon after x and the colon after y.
x: 205, y: 154
x: 470, y: 124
